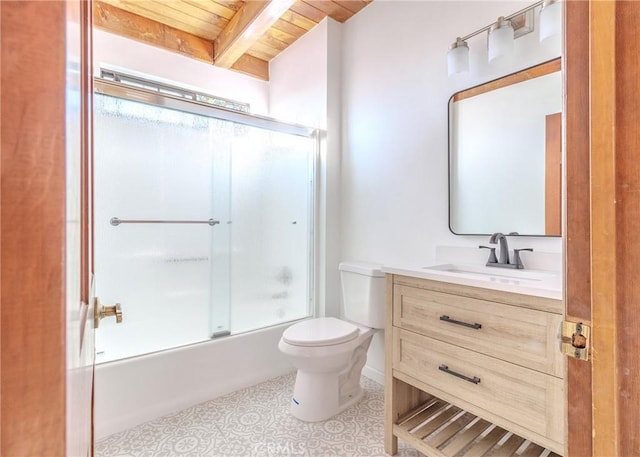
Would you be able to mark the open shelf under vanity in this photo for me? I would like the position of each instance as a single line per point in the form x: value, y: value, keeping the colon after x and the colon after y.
x: 438, y: 428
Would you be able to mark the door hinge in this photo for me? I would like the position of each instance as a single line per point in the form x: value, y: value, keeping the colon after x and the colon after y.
x: 576, y: 340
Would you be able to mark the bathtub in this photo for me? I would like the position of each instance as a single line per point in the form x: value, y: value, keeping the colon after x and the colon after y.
x: 132, y: 391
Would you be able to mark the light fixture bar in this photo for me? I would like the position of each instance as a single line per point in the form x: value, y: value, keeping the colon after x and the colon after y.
x: 511, y: 16
x: 502, y: 33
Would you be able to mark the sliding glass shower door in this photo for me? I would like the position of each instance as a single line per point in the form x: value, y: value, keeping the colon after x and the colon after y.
x: 271, y: 227
x: 203, y: 226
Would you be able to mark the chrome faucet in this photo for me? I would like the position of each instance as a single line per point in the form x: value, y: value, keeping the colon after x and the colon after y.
x: 503, y: 260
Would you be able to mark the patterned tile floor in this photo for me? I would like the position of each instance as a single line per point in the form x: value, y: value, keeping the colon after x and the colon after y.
x: 254, y: 422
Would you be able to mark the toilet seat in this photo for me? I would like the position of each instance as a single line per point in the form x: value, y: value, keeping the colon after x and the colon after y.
x: 323, y: 331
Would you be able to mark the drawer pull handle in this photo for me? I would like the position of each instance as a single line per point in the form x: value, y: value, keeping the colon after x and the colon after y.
x: 445, y: 368
x: 464, y: 324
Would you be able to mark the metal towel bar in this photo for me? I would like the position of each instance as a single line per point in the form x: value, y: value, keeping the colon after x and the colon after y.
x: 115, y: 221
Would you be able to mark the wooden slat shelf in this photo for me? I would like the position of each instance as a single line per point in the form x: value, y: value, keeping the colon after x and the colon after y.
x: 439, y: 429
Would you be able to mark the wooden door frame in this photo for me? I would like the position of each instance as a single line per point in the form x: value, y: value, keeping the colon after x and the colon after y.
x: 577, y: 233
x: 32, y: 229
x: 33, y: 220
x: 602, y: 238
x: 615, y: 221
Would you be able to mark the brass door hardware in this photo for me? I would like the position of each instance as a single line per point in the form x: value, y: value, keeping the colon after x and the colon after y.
x: 101, y: 311
x: 576, y: 338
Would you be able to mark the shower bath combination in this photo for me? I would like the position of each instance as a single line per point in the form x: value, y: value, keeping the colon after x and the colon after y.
x: 203, y: 220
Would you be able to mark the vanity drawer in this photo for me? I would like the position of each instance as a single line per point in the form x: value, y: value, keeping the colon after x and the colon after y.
x: 523, y: 336
x: 531, y: 399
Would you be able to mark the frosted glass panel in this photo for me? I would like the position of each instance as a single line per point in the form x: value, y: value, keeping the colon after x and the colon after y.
x: 271, y: 194
x: 156, y: 164
x: 185, y: 283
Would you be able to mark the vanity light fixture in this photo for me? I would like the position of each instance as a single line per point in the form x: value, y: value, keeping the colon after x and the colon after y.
x: 501, y: 34
x: 500, y: 39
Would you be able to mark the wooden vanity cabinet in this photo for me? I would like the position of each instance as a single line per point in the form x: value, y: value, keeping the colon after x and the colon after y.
x: 459, y: 355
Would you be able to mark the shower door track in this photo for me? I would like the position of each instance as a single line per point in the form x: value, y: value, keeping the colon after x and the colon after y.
x: 150, y: 97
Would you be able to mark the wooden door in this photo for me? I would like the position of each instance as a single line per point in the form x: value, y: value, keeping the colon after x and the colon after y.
x: 603, y: 224
x: 47, y: 336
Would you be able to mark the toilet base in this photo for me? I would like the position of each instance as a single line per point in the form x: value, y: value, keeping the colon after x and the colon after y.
x: 316, y: 396
x: 320, y: 396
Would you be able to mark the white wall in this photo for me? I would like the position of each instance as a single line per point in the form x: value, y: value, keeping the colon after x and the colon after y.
x: 121, y: 53
x: 298, y: 80
x: 395, y: 96
x: 394, y: 155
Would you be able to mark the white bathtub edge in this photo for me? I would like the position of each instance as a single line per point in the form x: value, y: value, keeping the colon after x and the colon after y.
x: 131, y: 392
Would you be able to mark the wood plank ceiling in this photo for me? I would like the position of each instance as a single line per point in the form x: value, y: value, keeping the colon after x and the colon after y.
x: 242, y: 36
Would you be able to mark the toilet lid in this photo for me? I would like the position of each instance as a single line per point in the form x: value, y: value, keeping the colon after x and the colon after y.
x: 323, y: 331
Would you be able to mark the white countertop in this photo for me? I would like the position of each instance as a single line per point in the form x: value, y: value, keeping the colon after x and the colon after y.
x: 538, y: 283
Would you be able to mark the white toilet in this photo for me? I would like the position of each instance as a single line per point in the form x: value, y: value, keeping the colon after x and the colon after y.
x: 330, y: 353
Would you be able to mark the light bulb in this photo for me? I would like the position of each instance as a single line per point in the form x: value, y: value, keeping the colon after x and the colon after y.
x: 500, y: 40
x: 458, y: 57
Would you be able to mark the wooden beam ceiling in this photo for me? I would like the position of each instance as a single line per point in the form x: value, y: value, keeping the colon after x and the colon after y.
x: 135, y: 27
x: 241, y: 35
x: 129, y: 25
x: 251, y: 21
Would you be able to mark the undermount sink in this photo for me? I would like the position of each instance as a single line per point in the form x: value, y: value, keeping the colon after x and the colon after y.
x: 494, y: 274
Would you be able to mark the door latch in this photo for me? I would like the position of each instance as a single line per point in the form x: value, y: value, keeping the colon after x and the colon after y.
x: 576, y: 339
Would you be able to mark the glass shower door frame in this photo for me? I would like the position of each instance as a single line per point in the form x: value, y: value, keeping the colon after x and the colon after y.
x: 150, y: 97
x: 145, y: 96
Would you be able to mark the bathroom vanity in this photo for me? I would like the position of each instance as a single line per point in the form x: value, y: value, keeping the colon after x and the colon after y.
x: 473, y: 362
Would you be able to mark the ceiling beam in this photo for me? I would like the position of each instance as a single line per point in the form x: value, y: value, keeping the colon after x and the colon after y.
x: 252, y: 66
x: 138, y: 28
x: 120, y: 22
x: 251, y: 21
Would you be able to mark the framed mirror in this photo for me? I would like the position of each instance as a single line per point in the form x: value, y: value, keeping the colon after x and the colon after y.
x: 505, y: 141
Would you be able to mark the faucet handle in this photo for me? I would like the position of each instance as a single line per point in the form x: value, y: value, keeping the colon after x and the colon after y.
x: 492, y: 254
x: 516, y: 257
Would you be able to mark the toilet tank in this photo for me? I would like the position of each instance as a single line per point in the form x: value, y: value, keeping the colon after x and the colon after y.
x: 363, y: 293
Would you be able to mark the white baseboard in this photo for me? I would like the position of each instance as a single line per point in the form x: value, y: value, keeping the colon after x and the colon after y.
x: 374, y: 374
